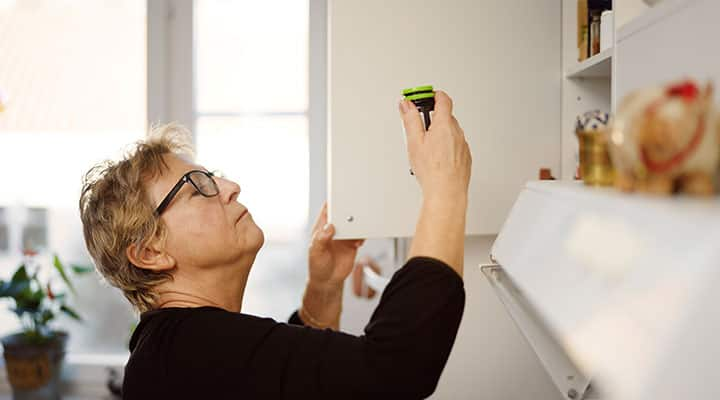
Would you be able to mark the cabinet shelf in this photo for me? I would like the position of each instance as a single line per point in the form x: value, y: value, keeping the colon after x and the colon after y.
x: 597, y: 66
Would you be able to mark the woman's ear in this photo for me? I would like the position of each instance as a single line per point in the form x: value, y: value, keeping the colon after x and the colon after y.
x: 150, y: 257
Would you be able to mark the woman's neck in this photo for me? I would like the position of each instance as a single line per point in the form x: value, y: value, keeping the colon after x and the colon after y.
x: 172, y: 298
x: 210, y: 288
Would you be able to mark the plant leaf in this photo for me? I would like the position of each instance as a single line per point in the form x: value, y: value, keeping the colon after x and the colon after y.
x: 20, y: 275
x: 81, y: 269
x: 29, y: 299
x: 61, y: 269
x: 14, y: 289
x: 69, y: 311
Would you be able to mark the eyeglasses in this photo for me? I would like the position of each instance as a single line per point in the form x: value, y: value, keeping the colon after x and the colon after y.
x: 202, y: 181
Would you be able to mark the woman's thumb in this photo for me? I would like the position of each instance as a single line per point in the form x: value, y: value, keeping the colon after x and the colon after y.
x: 323, y: 236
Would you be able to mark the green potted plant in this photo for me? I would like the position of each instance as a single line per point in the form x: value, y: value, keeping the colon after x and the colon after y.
x: 34, y: 356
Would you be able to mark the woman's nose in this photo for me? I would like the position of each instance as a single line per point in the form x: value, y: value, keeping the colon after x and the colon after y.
x: 229, y: 190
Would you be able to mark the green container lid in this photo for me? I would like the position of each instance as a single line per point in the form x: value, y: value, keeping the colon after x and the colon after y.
x: 420, y: 96
x: 420, y: 92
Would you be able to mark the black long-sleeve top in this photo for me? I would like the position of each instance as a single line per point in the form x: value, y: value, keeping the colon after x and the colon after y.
x: 210, y: 353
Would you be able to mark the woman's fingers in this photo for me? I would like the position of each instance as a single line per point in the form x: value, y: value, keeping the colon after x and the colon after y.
x: 359, y: 287
x: 458, y: 129
x: 321, y: 220
x: 373, y: 265
x: 412, y: 122
x: 351, y: 243
x: 443, y: 105
x: 323, y: 237
x: 442, y: 160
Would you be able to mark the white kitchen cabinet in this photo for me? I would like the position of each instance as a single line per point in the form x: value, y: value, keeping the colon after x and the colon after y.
x: 501, y: 63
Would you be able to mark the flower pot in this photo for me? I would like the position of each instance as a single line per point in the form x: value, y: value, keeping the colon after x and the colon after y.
x: 34, y: 369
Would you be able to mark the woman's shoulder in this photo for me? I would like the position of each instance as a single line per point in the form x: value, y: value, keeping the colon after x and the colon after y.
x: 194, y: 347
x: 196, y: 323
x: 204, y: 317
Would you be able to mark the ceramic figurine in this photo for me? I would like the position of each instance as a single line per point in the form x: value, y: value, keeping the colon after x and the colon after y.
x: 666, y: 139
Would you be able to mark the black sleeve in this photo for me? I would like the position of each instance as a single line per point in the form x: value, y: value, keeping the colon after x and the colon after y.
x: 295, y: 319
x: 401, y: 355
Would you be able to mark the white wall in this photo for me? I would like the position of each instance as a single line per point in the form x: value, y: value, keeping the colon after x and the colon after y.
x: 491, y: 359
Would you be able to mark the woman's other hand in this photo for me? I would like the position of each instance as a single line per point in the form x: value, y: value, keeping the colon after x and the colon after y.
x: 360, y: 287
x: 330, y: 262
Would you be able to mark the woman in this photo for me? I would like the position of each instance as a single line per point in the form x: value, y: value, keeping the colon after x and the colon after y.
x: 174, y: 239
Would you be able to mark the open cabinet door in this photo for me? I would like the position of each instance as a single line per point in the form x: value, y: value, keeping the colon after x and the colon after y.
x: 501, y: 63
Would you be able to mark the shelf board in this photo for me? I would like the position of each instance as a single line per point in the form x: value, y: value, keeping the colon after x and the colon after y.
x: 597, y: 66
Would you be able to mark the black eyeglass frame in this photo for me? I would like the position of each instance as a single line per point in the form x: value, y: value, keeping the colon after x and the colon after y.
x: 183, y: 180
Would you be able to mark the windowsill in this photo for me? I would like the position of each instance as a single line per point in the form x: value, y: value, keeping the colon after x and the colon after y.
x: 84, y: 376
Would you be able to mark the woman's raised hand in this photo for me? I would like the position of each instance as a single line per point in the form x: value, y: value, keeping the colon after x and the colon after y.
x: 440, y: 157
x: 441, y: 161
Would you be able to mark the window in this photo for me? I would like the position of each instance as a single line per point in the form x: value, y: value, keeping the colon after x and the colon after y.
x: 74, y: 77
x: 251, y: 122
x: 34, y: 235
x: 73, y: 102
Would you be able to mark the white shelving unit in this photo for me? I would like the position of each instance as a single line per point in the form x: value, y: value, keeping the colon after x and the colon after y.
x: 612, y: 289
x: 586, y: 86
x: 597, y: 66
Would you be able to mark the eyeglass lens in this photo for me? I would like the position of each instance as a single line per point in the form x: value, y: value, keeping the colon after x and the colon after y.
x: 204, y: 183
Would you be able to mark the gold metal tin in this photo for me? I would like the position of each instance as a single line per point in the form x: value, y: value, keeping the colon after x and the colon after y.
x: 595, y: 165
